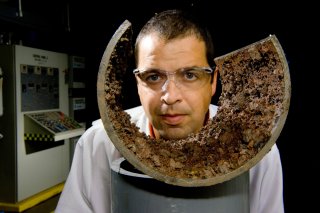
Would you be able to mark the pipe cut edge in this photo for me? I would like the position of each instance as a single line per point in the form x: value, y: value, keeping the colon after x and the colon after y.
x: 106, y: 106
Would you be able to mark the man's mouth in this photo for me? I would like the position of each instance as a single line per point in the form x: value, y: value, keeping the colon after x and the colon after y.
x: 172, y: 119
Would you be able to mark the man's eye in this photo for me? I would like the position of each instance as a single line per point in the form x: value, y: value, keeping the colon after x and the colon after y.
x: 152, y: 77
x: 190, y: 75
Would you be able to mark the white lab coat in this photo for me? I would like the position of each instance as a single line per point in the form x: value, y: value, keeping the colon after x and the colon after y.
x: 87, y: 188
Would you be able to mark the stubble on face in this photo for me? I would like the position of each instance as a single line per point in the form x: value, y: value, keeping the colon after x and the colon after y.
x: 185, y: 112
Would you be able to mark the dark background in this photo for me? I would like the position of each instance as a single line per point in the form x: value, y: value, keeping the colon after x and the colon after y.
x: 85, y: 28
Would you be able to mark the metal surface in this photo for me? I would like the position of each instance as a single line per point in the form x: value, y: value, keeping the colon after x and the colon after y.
x: 132, y: 192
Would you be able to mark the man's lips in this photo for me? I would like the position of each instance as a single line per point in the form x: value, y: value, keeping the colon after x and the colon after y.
x: 172, y: 119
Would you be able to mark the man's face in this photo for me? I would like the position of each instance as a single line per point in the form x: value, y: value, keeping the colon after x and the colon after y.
x: 174, y: 112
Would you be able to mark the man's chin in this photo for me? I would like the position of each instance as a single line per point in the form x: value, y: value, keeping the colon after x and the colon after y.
x: 174, y: 133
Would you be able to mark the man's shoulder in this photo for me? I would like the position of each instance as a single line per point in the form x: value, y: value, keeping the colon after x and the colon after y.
x: 136, y: 113
x: 213, y: 110
x: 138, y: 110
x: 96, y: 127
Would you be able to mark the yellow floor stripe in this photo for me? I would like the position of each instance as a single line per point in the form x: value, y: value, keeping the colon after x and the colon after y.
x: 33, y: 200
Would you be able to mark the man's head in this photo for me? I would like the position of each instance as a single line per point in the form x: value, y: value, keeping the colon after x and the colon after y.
x: 174, y: 74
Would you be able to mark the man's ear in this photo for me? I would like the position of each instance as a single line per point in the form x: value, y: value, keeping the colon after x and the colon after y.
x: 214, y: 81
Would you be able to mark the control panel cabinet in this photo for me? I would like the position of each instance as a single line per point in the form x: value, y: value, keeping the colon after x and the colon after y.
x: 34, y: 125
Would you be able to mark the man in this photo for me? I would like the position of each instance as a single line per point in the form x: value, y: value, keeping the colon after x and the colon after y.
x: 176, y: 81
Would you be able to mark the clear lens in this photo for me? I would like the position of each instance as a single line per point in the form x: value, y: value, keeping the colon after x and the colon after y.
x: 187, y: 78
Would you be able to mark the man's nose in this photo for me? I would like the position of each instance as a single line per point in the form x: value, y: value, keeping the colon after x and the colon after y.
x: 171, y: 92
x: 170, y: 78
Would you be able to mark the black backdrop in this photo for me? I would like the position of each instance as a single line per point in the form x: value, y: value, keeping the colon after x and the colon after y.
x: 85, y: 29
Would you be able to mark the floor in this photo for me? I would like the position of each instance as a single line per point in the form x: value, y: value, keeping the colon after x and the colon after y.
x: 42, y: 202
x: 47, y: 206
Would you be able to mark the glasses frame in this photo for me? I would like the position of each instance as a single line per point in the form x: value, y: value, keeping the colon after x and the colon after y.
x: 208, y: 70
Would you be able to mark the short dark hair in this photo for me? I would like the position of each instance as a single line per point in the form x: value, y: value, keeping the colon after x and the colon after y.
x: 172, y: 24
